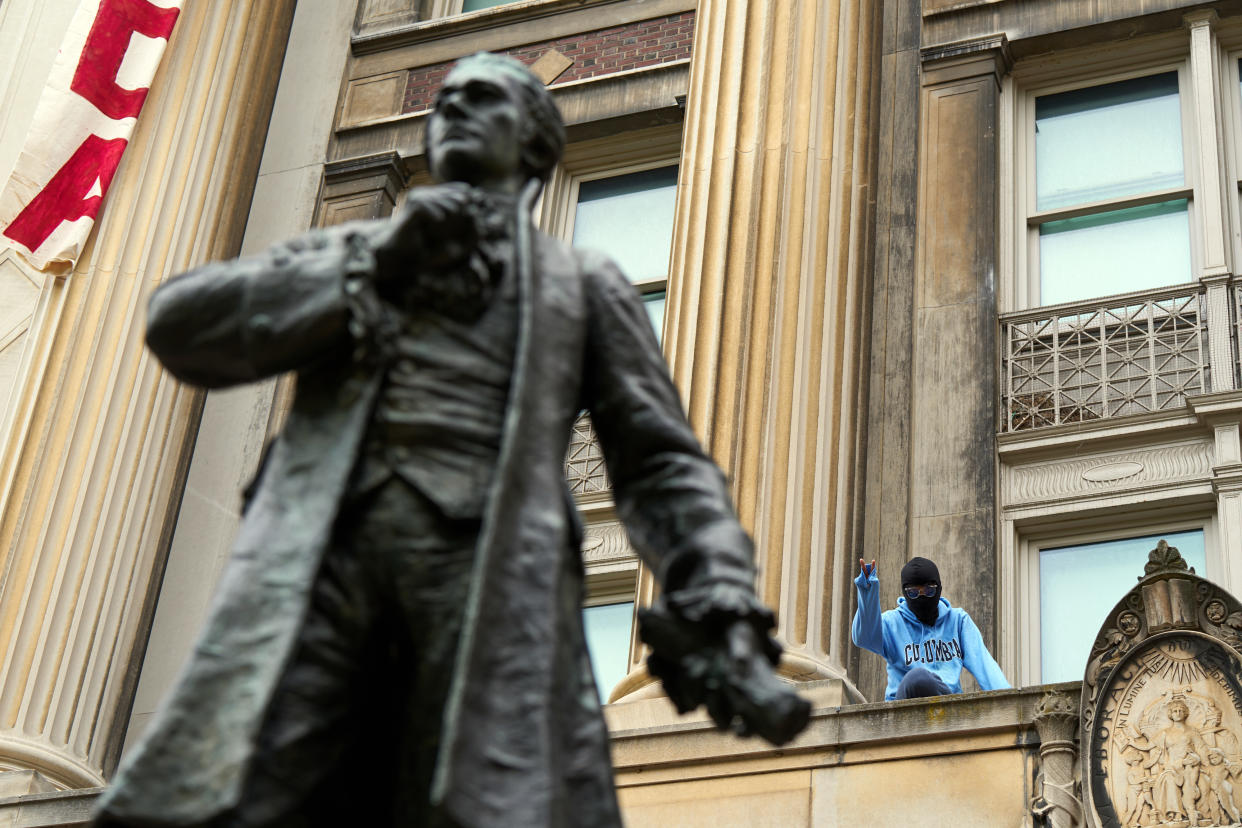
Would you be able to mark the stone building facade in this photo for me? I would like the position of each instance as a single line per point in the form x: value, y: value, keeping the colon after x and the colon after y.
x: 951, y: 278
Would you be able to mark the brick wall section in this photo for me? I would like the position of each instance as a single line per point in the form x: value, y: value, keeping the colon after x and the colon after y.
x: 600, y: 52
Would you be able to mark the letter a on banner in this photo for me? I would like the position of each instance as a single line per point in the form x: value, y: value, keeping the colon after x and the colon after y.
x: 82, y: 125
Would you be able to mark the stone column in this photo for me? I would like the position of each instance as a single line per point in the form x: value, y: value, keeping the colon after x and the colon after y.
x: 766, y: 311
x: 952, y: 418
x: 1213, y: 270
x: 98, y: 445
x: 1056, y: 800
x: 887, y: 510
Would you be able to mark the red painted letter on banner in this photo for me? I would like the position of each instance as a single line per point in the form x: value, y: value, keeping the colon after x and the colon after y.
x: 65, y: 198
x: 106, y: 45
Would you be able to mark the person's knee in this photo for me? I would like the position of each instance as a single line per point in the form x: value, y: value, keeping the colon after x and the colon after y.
x: 919, y: 683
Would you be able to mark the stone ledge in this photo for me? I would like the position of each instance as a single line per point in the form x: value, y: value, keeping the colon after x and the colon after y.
x: 68, y: 809
x: 660, y: 746
x: 836, y: 735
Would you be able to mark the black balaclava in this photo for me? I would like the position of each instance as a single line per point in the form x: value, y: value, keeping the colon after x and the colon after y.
x: 917, y: 572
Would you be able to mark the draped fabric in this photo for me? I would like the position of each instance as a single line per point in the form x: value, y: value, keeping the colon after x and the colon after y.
x: 82, y: 125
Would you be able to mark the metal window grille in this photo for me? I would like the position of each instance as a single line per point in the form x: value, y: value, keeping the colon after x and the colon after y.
x: 584, y: 462
x: 1111, y: 357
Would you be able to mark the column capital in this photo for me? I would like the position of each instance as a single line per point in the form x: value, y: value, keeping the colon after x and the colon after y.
x: 1199, y: 18
x: 363, y: 187
x: 967, y: 58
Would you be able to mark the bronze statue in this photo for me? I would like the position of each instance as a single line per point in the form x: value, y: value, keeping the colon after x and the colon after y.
x: 397, y: 639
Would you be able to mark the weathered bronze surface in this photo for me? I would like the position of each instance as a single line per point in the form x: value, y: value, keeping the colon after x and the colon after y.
x: 397, y: 638
x: 1162, y: 713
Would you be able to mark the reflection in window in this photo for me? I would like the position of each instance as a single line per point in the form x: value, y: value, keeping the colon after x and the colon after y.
x: 1107, y: 253
x: 630, y: 218
x: 1079, y: 585
x: 608, y: 641
x: 1102, y: 149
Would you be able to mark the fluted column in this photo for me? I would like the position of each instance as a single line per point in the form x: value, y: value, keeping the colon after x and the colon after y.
x: 765, y: 318
x: 99, y: 435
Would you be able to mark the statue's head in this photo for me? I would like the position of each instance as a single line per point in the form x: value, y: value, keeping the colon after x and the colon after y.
x: 494, y: 123
x: 1178, y: 711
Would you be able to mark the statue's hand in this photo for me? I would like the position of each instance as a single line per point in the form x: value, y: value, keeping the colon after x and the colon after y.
x: 710, y: 647
x: 433, y: 227
x: 755, y: 701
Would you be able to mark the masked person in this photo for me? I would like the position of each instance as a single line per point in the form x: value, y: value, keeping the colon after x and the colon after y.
x: 926, y: 640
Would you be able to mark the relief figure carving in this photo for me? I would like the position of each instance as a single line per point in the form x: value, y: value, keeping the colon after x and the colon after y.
x: 1180, y: 765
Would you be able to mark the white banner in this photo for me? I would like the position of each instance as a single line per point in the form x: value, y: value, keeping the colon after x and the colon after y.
x: 82, y: 125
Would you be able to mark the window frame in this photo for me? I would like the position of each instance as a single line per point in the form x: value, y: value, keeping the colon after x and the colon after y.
x: 613, y: 155
x: 1139, y: 520
x: 614, y: 580
x: 1021, y: 249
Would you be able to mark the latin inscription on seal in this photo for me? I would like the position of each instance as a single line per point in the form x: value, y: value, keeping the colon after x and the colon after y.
x: 1166, y: 750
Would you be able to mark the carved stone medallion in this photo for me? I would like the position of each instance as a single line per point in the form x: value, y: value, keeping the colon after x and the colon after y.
x: 1162, y: 712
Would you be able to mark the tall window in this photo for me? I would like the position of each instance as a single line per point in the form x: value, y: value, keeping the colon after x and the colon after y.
x: 1078, y: 586
x: 630, y: 217
x: 1110, y: 210
x: 608, y: 630
x: 614, y: 194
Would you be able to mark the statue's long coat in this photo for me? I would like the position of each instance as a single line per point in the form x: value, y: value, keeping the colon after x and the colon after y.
x: 524, y: 742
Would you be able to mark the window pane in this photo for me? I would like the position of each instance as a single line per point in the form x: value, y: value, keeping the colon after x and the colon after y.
x: 655, y: 310
x: 1079, y: 585
x: 1108, y: 141
x: 475, y: 5
x: 608, y: 641
x: 629, y: 217
x: 1115, y: 252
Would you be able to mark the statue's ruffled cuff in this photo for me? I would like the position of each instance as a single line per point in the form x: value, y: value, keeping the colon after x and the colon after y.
x: 371, y: 323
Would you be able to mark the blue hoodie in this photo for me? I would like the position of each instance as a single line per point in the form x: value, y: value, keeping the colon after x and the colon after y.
x: 906, y: 642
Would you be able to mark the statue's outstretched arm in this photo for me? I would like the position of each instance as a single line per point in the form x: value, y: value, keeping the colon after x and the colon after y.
x: 238, y: 321
x: 709, y: 634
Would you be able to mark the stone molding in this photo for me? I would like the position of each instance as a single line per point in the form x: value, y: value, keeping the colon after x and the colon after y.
x: 1105, y: 474
x: 606, y: 543
x: 361, y: 188
x: 969, y: 57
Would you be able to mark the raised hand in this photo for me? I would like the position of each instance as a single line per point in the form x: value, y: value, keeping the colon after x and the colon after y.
x: 867, y: 568
x: 433, y: 225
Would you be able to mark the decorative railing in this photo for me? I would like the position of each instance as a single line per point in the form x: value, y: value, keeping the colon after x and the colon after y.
x: 1112, y: 357
x: 584, y: 462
